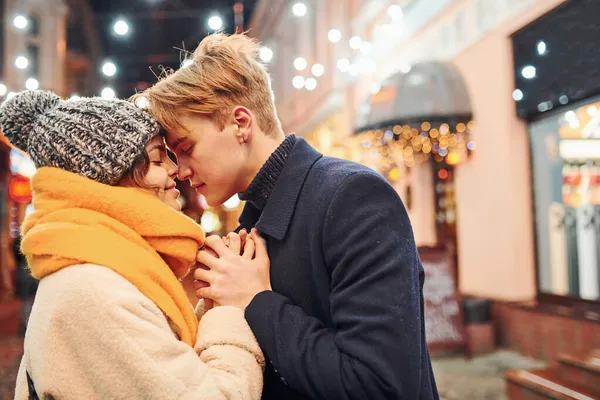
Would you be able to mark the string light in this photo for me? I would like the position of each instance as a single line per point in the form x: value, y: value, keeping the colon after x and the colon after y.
x: 300, y: 63
x: 343, y: 64
x: 355, y: 42
x: 266, y: 54
x: 517, y: 95
x: 187, y: 62
x: 334, y: 35
x: 3, y: 89
x: 121, y: 27
x: 298, y: 82
x: 310, y: 84
x: 32, y: 84
x: 74, y: 96
x: 541, y: 47
x: 528, y: 72
x: 353, y: 70
x: 108, y: 93
x: 318, y: 70
x: 405, y: 68
x: 141, y: 102
x: 20, y: 22
x: 215, y: 23
x: 395, y: 11
x: 366, y: 47
x: 21, y: 62
x: 299, y: 9
x: 109, y: 68
x: 210, y: 221
x: 232, y: 203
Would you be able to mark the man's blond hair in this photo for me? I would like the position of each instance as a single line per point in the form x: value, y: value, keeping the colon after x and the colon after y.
x: 225, y: 72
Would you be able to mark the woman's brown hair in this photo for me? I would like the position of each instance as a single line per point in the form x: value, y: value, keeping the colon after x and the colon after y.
x: 138, y: 170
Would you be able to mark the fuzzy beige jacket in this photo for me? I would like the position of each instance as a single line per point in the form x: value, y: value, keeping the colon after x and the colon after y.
x: 93, y: 335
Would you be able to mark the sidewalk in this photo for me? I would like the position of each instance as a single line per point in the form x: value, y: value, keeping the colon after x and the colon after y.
x: 481, y: 378
x: 11, y: 347
x: 9, y: 317
x: 11, y: 350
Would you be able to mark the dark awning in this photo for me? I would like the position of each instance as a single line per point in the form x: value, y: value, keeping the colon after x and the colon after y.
x: 430, y: 91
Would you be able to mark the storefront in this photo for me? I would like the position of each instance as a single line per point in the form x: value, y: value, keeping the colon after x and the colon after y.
x: 556, y: 92
x: 566, y: 179
x: 15, y: 204
x: 415, y: 131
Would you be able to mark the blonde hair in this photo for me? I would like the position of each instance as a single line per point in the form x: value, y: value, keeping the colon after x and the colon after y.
x: 225, y: 72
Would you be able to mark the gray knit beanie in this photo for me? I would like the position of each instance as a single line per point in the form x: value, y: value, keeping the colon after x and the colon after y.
x: 93, y: 137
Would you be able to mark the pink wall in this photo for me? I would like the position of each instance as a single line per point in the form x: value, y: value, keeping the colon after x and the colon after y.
x: 495, y: 220
x: 495, y: 226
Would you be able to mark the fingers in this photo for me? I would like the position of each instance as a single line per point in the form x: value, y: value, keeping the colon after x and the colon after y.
x: 216, y: 243
x: 205, y: 275
x: 249, y: 249
x: 235, y: 243
x: 243, y: 236
x: 204, y: 293
x: 200, y: 284
x: 260, y: 244
x: 208, y: 258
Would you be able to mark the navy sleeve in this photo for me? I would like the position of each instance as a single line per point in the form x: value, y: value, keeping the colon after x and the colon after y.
x: 374, y: 350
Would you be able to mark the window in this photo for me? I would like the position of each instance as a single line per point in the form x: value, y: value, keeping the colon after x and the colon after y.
x: 566, y: 181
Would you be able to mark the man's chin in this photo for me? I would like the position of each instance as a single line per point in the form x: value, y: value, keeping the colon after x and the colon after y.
x: 215, y: 201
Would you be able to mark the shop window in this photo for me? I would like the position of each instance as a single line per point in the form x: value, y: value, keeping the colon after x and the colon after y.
x: 2, y: 28
x: 33, y: 52
x: 565, y: 151
x: 34, y: 25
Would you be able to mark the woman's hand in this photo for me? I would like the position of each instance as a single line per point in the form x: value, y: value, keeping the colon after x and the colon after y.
x: 233, y: 279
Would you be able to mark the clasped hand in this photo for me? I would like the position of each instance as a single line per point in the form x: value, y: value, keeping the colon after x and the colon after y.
x: 232, y: 270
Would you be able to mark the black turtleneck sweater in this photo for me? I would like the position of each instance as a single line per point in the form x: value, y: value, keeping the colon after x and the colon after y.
x: 262, y: 185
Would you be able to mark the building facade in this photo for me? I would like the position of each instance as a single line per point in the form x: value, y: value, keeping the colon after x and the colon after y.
x: 34, y: 50
x: 434, y: 94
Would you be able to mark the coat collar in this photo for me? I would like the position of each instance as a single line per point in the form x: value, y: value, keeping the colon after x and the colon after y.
x: 277, y: 214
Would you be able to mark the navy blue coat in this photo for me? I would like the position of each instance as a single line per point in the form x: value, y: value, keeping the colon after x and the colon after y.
x: 345, y: 318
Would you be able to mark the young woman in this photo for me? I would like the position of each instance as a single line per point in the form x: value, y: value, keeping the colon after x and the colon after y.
x: 106, y: 240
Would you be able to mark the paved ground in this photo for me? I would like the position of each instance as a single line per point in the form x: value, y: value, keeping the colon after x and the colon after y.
x: 478, y: 379
x: 10, y: 356
x: 457, y: 379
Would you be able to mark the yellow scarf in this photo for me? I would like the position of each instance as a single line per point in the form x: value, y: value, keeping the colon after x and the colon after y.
x: 77, y: 220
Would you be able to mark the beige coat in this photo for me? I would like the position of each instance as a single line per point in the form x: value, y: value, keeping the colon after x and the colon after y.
x: 93, y: 335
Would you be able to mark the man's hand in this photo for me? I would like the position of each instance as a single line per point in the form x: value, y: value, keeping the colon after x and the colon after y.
x: 233, y: 279
x: 243, y: 235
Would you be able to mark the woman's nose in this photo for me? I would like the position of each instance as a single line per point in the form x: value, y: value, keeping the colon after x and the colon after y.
x: 173, y: 170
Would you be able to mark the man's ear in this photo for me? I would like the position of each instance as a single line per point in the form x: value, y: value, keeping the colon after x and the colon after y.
x: 243, y: 119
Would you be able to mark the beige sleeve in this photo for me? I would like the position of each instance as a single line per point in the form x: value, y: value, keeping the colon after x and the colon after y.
x: 200, y: 309
x: 21, y: 388
x: 117, y: 344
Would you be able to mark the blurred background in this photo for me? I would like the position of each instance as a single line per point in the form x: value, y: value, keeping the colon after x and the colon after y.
x: 483, y: 114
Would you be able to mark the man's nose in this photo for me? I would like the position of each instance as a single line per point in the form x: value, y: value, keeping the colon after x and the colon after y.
x: 184, y: 172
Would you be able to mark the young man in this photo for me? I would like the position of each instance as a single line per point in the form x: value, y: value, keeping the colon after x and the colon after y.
x: 341, y: 316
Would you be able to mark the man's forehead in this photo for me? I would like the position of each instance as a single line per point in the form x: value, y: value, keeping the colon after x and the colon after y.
x: 174, y: 139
